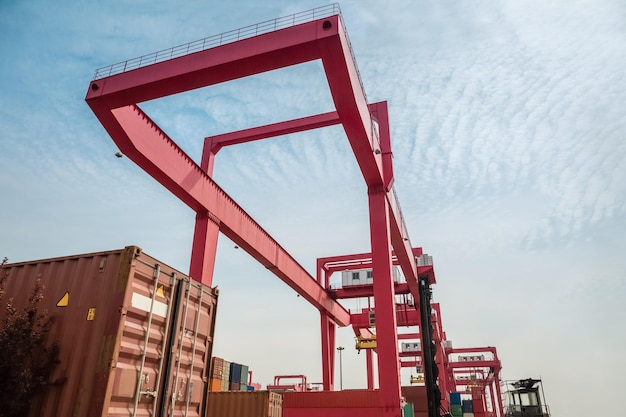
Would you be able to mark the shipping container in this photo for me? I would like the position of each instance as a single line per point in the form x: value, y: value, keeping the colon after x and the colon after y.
x: 244, y: 374
x: 455, y: 398
x: 215, y: 385
x: 217, y: 368
x: 416, y: 395
x: 235, y: 373
x: 135, y: 336
x: 226, y: 376
x: 467, y: 406
x: 456, y: 410
x: 244, y: 404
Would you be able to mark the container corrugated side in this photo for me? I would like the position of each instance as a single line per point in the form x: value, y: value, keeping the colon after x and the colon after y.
x: 416, y: 395
x: 235, y: 372
x: 115, y: 324
x: 455, y: 398
x: 226, y: 376
x: 240, y: 404
x: 243, y: 379
x: 215, y: 385
x: 467, y: 406
x: 408, y: 410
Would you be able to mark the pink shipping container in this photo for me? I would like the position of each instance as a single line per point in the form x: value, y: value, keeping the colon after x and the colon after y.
x: 135, y: 335
x: 244, y: 404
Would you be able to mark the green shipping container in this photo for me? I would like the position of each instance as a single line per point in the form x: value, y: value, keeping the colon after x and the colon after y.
x: 456, y: 410
x: 244, y: 374
x: 408, y: 410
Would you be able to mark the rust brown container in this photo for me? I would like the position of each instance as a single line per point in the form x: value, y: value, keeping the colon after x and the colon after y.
x: 135, y: 335
x: 244, y: 404
x: 416, y: 395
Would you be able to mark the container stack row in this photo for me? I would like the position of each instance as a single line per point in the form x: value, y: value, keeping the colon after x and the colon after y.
x: 228, y: 376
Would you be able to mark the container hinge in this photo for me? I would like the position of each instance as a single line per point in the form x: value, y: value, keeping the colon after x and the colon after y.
x: 189, y: 392
x: 149, y: 393
x: 183, y: 382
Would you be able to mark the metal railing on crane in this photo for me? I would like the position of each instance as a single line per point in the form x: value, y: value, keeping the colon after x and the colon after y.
x: 221, y: 39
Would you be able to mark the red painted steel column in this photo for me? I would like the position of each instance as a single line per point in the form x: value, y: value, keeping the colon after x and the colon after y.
x: 204, y: 249
x: 328, y: 351
x: 492, y: 395
x: 206, y: 232
x: 498, y: 393
x: 384, y: 301
x: 369, y: 356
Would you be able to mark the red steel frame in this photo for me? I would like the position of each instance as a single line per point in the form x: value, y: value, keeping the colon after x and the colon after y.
x: 361, y: 321
x: 485, y: 379
x: 114, y: 100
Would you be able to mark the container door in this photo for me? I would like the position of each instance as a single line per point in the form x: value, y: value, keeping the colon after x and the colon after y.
x: 146, y: 324
x: 190, y: 354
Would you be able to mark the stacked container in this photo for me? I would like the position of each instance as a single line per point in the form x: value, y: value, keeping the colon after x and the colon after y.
x: 217, y: 374
x: 235, y: 376
x: 468, y: 408
x: 135, y: 336
x: 456, y: 408
x: 228, y: 376
x: 243, y: 380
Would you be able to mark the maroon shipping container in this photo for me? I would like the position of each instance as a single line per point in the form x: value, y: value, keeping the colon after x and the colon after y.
x: 416, y: 395
x: 244, y: 404
x: 135, y: 335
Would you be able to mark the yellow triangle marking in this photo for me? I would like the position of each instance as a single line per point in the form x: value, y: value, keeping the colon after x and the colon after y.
x: 161, y: 292
x: 64, y: 301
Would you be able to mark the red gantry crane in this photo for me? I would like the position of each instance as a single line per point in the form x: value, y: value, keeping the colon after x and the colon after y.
x: 115, y: 96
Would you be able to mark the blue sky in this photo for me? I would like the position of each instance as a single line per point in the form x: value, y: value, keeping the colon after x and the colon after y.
x: 508, y: 125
